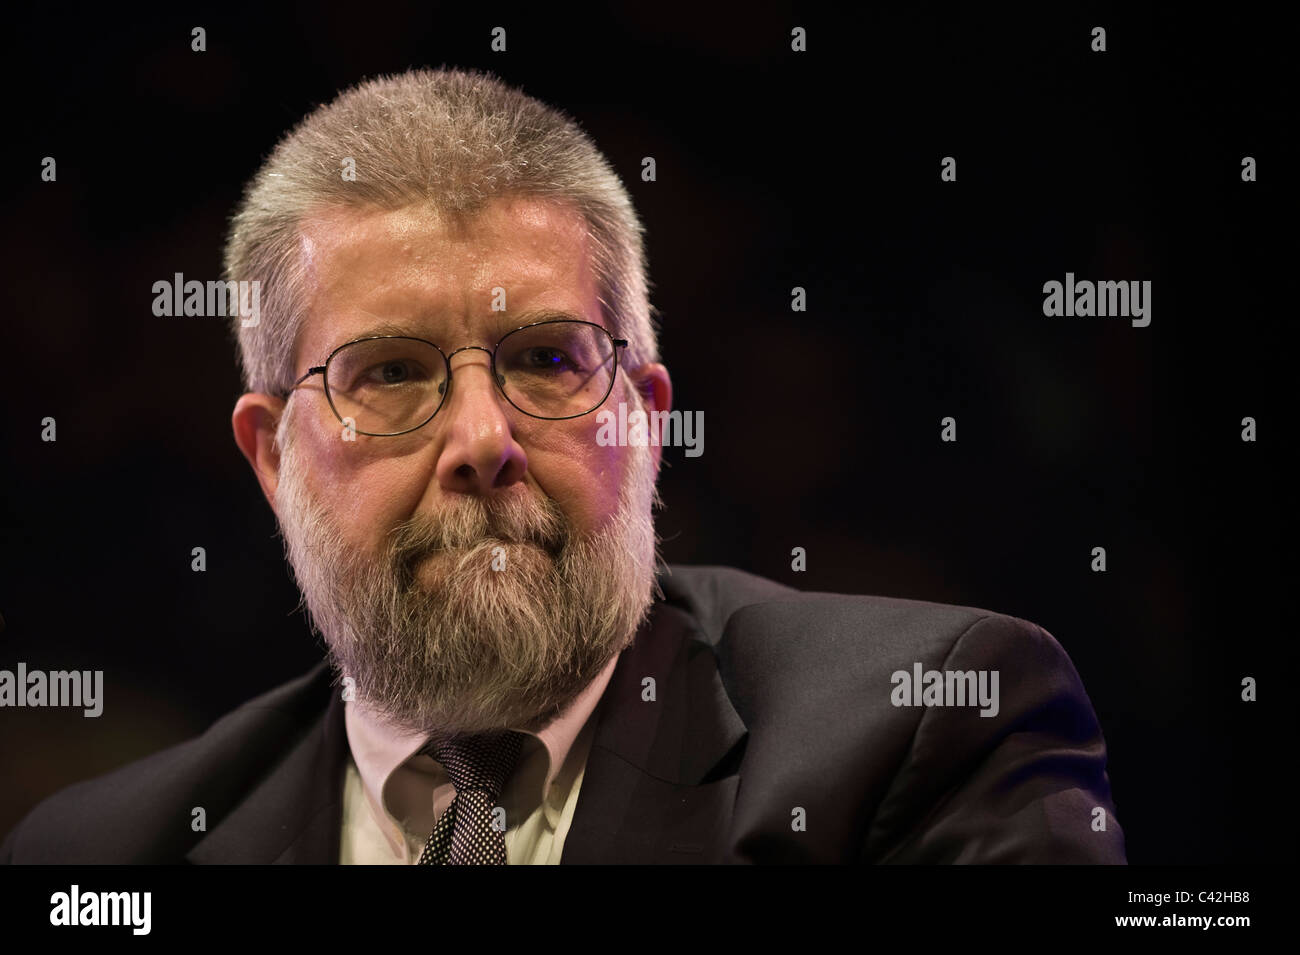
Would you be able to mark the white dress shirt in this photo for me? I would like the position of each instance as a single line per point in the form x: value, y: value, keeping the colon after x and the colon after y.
x: 393, y: 794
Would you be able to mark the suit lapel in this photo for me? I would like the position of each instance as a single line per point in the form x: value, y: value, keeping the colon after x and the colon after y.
x: 295, y: 814
x: 660, y: 780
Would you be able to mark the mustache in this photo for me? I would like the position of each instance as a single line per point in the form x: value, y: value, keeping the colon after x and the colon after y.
x: 515, y: 518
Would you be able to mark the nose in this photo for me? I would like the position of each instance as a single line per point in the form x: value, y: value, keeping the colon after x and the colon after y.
x: 479, y: 453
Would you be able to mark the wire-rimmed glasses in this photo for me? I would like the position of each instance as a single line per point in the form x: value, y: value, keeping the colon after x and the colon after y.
x: 386, y: 385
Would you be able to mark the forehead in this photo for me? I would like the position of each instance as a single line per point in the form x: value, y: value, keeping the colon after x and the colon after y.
x: 453, y: 279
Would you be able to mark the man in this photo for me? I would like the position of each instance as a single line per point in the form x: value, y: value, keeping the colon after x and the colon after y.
x: 452, y: 283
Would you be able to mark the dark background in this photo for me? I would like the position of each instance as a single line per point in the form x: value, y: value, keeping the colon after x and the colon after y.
x: 775, y: 169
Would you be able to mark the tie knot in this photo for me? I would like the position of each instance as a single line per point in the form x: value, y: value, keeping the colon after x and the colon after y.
x: 481, y: 762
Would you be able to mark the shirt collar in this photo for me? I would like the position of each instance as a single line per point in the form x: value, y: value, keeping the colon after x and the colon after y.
x: 379, y: 749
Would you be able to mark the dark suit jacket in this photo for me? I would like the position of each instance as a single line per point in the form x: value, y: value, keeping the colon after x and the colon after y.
x: 768, y: 700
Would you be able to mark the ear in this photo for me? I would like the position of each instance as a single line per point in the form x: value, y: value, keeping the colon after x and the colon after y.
x: 255, y: 421
x: 655, y: 386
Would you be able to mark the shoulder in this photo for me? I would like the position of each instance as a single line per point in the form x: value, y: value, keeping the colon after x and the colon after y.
x: 767, y: 632
x: 961, y: 733
x: 130, y: 814
x: 726, y: 603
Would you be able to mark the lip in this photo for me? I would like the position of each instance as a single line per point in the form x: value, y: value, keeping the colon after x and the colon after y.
x: 552, y: 547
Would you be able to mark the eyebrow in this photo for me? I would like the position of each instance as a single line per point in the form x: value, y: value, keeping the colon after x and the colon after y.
x: 507, y: 322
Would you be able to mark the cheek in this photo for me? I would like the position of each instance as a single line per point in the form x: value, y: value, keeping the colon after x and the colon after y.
x: 579, y: 474
x: 369, y: 486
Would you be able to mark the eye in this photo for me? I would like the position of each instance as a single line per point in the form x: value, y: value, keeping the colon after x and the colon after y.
x: 395, y: 372
x: 542, y: 358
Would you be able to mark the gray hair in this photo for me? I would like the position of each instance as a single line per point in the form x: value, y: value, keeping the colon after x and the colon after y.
x: 452, y: 139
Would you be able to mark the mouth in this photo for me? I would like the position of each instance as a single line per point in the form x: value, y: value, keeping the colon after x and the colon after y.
x: 486, y: 544
x: 551, y: 545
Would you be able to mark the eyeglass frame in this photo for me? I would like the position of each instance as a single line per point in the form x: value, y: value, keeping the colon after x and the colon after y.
x: 446, y: 358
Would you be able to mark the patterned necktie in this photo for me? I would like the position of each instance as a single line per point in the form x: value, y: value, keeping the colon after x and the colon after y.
x: 478, y: 766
